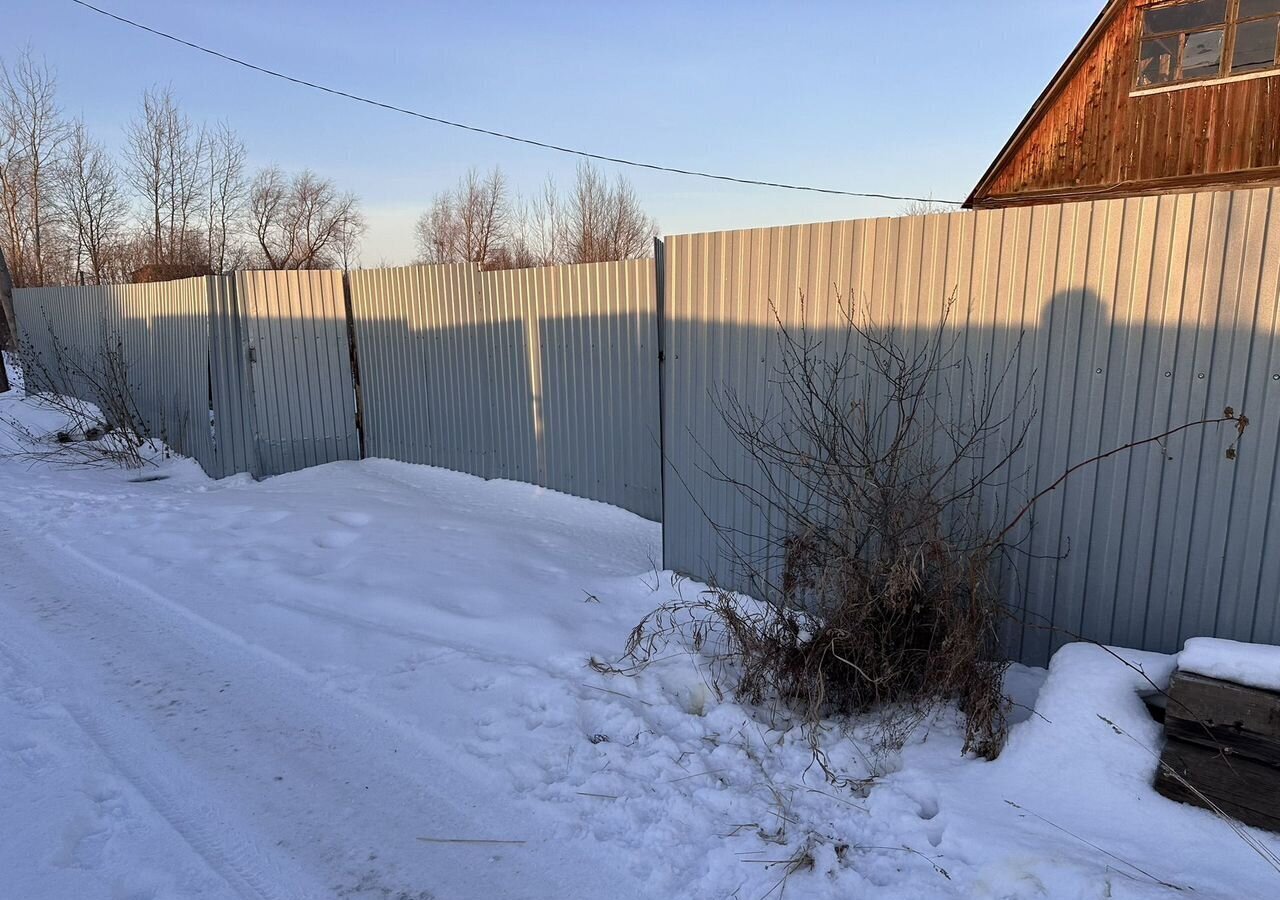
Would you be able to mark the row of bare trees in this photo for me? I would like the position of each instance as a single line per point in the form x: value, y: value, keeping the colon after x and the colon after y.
x: 483, y: 221
x: 180, y: 198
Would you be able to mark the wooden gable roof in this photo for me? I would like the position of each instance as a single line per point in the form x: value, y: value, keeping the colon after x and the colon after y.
x: 1046, y: 98
x: 1094, y: 133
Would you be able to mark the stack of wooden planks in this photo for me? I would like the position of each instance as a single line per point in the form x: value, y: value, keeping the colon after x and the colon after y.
x: 1224, y: 742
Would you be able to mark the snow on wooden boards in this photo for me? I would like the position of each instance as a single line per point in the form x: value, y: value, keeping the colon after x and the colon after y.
x: 1223, y: 748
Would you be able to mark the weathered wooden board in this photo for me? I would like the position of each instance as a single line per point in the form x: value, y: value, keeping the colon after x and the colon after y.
x: 1246, y: 790
x: 1216, y: 714
x: 1095, y: 134
x: 1214, y: 737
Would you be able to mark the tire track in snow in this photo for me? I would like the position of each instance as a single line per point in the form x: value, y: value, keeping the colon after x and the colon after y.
x: 160, y: 679
x: 206, y: 829
x: 182, y: 798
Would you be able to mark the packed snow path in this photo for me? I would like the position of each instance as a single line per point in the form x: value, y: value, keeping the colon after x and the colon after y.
x: 278, y: 789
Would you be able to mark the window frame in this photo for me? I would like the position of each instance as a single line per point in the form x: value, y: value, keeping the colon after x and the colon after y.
x: 1228, y: 27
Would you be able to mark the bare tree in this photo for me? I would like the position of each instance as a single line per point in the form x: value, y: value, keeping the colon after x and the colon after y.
x: 346, y: 247
x: 468, y: 224
x: 15, y: 206
x: 435, y: 232
x: 269, y: 209
x: 225, y: 203
x: 31, y: 133
x: 303, y: 222
x: 537, y: 230
x: 482, y: 213
x: 480, y: 222
x: 928, y: 208
x: 605, y: 222
x: 165, y: 157
x: 90, y: 199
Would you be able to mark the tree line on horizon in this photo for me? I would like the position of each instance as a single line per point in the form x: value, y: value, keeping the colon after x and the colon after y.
x: 179, y: 197
x: 482, y: 221
x: 179, y: 200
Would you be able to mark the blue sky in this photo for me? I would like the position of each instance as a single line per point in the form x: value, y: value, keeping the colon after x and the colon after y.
x: 903, y: 97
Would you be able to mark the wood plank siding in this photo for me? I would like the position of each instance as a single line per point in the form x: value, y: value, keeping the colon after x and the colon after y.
x: 1093, y: 135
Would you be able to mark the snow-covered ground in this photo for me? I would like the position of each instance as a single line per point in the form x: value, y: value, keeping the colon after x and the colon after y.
x: 369, y: 680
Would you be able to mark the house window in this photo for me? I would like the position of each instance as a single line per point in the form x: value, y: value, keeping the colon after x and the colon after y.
x: 1198, y: 39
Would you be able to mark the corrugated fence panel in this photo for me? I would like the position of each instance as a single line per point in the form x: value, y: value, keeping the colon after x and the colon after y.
x: 423, y: 401
x: 230, y: 394
x: 598, y: 375
x: 158, y: 333
x: 1127, y: 317
x: 541, y: 375
x: 299, y: 359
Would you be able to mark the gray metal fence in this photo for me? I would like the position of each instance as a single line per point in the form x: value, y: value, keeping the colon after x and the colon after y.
x: 160, y: 333
x: 548, y: 376
x: 246, y: 373
x: 303, y: 407
x: 1127, y: 317
x: 1134, y: 316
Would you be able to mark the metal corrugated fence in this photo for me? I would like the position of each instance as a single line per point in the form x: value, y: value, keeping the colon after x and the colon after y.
x: 161, y: 333
x: 303, y: 395
x: 1127, y: 316
x: 1133, y: 315
x: 547, y: 375
x: 246, y: 373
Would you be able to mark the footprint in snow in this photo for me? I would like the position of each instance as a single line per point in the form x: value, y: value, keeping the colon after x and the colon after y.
x: 335, y: 540
x: 86, y: 836
x: 351, y: 519
x: 928, y: 812
x: 28, y: 751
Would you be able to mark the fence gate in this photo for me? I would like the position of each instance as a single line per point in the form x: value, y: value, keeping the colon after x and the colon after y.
x: 297, y: 351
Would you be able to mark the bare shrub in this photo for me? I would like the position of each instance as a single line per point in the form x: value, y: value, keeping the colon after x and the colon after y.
x: 883, y: 475
x: 103, y: 424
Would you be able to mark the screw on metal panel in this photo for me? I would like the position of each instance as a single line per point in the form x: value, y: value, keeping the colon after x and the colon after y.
x: 1275, y: 377
x: 1168, y: 374
x: 1201, y: 376
x: 1099, y: 372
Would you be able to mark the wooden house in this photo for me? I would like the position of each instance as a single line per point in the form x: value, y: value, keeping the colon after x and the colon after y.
x: 1158, y: 97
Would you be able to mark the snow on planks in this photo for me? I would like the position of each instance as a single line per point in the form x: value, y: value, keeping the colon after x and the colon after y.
x: 1223, y: 748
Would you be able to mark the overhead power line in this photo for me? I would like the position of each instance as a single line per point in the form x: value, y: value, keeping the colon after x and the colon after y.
x: 490, y: 132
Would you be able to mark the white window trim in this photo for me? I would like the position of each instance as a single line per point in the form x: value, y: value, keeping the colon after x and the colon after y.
x: 1203, y: 82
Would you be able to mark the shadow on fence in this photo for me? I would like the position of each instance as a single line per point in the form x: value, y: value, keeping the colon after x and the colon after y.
x: 1143, y: 549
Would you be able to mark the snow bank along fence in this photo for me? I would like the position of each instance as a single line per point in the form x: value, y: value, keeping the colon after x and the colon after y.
x: 1127, y: 316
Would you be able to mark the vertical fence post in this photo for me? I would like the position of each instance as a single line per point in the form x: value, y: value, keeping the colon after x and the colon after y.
x: 8, y: 322
x: 660, y: 292
x: 355, y: 361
